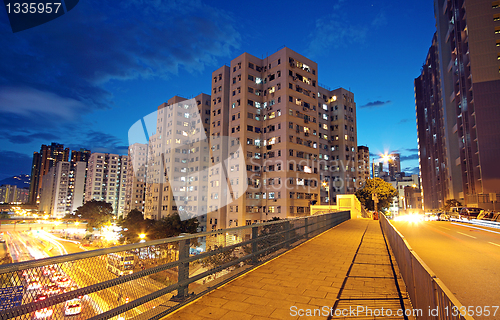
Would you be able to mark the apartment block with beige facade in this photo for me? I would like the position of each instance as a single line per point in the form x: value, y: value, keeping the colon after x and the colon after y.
x: 135, y: 190
x: 178, y: 160
x: 106, y: 180
x: 363, y: 166
x: 293, y: 134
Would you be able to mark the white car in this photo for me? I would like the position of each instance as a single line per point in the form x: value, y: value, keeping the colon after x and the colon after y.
x: 63, y: 282
x: 43, y: 313
x: 33, y: 285
x: 72, y: 307
x: 56, y: 276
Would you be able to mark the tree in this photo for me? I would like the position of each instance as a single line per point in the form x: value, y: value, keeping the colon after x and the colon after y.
x: 384, y: 190
x: 450, y: 203
x: 134, y: 224
x: 97, y: 213
x: 170, y: 226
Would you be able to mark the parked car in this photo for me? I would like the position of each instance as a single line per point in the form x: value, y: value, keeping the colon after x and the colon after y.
x: 72, y: 307
x: 43, y: 313
x: 51, y: 289
x: 443, y: 216
x: 470, y: 213
x: 488, y: 216
x: 63, y: 282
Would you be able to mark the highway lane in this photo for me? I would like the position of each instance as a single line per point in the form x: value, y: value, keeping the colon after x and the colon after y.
x: 35, y: 245
x: 466, y: 258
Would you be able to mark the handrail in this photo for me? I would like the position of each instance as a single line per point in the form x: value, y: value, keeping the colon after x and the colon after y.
x: 103, y: 293
x: 425, y: 289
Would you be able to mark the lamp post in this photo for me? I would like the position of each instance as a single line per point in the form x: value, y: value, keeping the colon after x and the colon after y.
x: 326, y: 185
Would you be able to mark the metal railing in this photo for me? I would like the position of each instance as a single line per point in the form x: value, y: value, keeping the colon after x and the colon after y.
x: 147, y: 280
x: 427, y: 292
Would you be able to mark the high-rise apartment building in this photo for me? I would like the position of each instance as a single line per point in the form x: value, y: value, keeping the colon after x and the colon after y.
x: 294, y: 134
x: 42, y: 162
x: 433, y: 161
x: 106, y: 180
x: 377, y: 169
x: 465, y: 51
x: 135, y: 191
x: 78, y: 176
x: 13, y: 194
x: 178, y: 160
x: 394, y: 163
x: 363, y: 166
x: 62, y: 191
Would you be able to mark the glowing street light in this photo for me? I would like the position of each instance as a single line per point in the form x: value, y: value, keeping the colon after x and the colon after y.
x: 142, y: 236
x: 327, y: 187
x: 386, y: 157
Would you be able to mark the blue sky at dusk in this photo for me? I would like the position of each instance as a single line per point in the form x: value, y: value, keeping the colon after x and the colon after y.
x: 83, y: 79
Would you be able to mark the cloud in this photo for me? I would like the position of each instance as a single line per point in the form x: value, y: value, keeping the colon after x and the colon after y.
x: 101, y: 41
x: 376, y: 104
x: 380, y: 20
x: 333, y: 30
x: 12, y: 163
x: 413, y: 156
x: 411, y: 170
x: 24, y: 139
x: 412, y: 149
x: 29, y: 102
x: 337, y: 29
x: 100, y: 142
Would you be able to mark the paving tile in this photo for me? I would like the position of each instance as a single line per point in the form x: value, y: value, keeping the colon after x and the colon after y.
x: 310, y: 276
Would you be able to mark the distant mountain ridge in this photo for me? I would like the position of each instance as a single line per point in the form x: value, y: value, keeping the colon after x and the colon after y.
x: 21, y: 181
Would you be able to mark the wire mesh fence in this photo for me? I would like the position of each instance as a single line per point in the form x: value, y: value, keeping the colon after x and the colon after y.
x: 146, y: 280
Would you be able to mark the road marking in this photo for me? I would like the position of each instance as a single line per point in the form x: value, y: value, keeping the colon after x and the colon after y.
x: 444, y: 228
x: 498, y: 245
x: 466, y: 235
x: 469, y: 226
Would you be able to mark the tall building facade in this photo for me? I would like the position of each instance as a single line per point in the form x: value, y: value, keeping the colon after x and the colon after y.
x: 178, y: 160
x: 42, y: 162
x: 78, y: 176
x: 467, y: 49
x: 135, y: 192
x: 13, y: 194
x: 57, y: 196
x: 394, y: 163
x: 363, y: 166
x: 106, y: 180
x: 294, y: 134
x: 433, y: 161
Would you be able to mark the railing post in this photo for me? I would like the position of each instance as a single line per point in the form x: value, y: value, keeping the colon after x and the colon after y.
x: 306, y: 228
x: 255, y: 247
x: 287, y: 234
x: 183, y: 273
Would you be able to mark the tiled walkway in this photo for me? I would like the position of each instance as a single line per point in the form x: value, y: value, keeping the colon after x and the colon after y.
x: 346, y: 269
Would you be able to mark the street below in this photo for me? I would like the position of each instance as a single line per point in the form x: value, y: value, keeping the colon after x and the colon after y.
x: 465, y: 257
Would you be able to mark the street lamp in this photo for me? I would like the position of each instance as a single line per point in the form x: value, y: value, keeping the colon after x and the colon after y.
x: 142, y: 236
x: 326, y: 185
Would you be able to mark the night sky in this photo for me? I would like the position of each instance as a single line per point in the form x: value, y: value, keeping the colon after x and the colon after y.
x: 83, y: 79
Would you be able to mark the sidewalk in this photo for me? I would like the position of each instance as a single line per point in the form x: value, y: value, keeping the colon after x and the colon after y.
x: 346, y: 269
